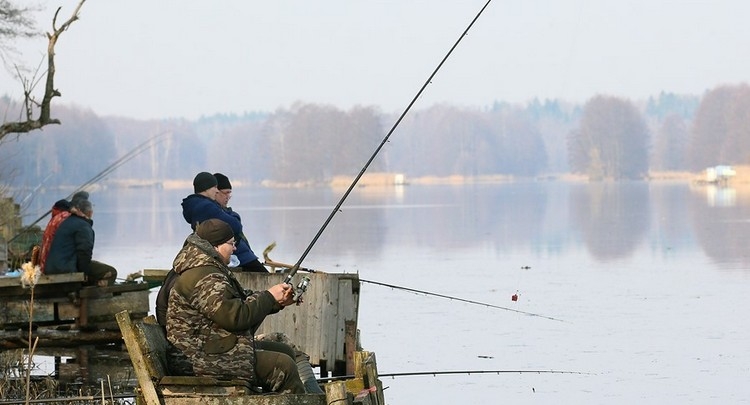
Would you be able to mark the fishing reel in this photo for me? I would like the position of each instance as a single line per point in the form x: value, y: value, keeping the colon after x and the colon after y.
x: 300, y: 289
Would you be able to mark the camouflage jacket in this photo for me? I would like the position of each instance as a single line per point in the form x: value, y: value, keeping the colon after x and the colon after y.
x: 210, y: 318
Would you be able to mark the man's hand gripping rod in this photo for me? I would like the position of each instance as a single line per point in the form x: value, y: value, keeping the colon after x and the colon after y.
x: 301, y: 286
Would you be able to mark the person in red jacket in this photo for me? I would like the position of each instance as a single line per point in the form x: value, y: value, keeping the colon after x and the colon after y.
x: 60, y: 211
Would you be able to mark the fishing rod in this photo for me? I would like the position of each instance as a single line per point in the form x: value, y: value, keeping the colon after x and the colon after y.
x: 455, y: 372
x: 274, y: 264
x: 296, y: 266
x: 140, y: 148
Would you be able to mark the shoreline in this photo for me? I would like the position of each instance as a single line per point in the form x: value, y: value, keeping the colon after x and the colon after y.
x: 741, y: 179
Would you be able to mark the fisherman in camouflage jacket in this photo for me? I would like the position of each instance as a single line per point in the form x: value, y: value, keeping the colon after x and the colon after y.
x: 211, y: 320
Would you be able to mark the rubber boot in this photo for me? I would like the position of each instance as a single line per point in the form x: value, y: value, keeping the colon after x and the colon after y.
x: 308, y: 377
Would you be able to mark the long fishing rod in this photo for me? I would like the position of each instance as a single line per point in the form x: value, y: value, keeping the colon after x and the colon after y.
x: 273, y: 264
x: 455, y: 372
x: 296, y: 266
x: 140, y: 148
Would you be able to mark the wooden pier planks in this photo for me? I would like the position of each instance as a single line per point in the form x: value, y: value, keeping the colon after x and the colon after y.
x: 65, y: 313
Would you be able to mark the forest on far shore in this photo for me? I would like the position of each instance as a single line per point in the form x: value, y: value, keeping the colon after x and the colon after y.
x: 605, y: 138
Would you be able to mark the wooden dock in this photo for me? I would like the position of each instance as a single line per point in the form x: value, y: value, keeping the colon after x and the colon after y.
x: 65, y: 313
x: 324, y: 326
x: 147, y: 343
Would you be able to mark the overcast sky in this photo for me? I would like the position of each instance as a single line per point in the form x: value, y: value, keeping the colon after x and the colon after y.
x: 187, y: 58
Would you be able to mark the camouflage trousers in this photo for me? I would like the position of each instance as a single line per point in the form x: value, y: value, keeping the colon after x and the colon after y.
x: 280, y: 342
x: 281, y: 337
x: 275, y: 364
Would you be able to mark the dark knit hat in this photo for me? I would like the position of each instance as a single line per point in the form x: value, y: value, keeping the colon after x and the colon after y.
x: 84, y: 206
x: 222, y: 181
x: 81, y: 195
x: 203, y: 181
x: 62, y: 205
x: 215, y: 231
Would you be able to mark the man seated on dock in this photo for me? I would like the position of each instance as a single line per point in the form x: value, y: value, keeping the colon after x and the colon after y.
x: 211, y: 320
x: 73, y: 246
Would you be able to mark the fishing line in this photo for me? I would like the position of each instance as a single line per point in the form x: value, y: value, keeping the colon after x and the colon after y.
x: 296, y: 266
x: 274, y: 264
x: 459, y: 299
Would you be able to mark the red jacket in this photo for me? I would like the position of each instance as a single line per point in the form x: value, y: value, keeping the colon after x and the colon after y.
x: 58, y: 215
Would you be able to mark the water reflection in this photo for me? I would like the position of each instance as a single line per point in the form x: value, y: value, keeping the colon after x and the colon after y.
x: 613, y: 218
x: 612, y: 221
x: 722, y: 230
x: 427, y: 237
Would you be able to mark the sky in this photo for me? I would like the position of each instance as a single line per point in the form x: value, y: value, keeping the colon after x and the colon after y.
x: 148, y: 59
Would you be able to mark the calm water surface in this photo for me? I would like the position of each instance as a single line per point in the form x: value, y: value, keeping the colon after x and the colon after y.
x: 648, y: 282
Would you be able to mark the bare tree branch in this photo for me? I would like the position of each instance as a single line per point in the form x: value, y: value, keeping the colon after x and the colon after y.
x: 45, y: 113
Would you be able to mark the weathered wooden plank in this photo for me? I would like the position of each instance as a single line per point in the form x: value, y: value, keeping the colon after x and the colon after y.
x: 148, y: 390
x: 350, y: 345
x: 15, y: 339
x: 48, y: 286
x: 154, y: 275
x: 16, y: 312
x: 366, y: 368
x: 337, y: 393
x: 299, y: 399
x: 3, y: 255
x: 44, y: 279
x: 327, y: 339
x: 134, y: 301
x: 344, y: 314
x: 108, y: 291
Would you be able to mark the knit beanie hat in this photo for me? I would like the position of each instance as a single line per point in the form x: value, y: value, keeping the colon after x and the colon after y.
x: 222, y: 181
x: 81, y: 195
x: 215, y: 231
x: 63, y: 205
x: 203, y: 181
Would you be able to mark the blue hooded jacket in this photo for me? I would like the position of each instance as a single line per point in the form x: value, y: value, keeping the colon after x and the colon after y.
x: 197, y: 208
x: 72, y: 247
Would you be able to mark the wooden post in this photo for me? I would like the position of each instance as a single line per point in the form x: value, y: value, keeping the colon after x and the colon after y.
x: 366, y: 369
x: 350, y: 345
x: 136, y: 355
x: 336, y: 393
x: 323, y: 366
x: 83, y: 313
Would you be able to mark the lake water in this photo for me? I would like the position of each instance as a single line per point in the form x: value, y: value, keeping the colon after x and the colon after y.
x: 648, y: 282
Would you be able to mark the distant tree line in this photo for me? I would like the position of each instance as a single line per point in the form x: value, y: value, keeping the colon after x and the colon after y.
x: 606, y: 138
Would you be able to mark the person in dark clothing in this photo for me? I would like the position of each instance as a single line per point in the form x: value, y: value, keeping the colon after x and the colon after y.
x: 208, y: 240
x: 202, y: 205
x: 72, y: 248
x: 248, y: 259
x: 60, y: 212
x: 210, y: 318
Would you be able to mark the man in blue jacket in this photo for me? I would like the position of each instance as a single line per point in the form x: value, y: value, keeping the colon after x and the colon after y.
x: 73, y: 246
x: 203, y: 205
